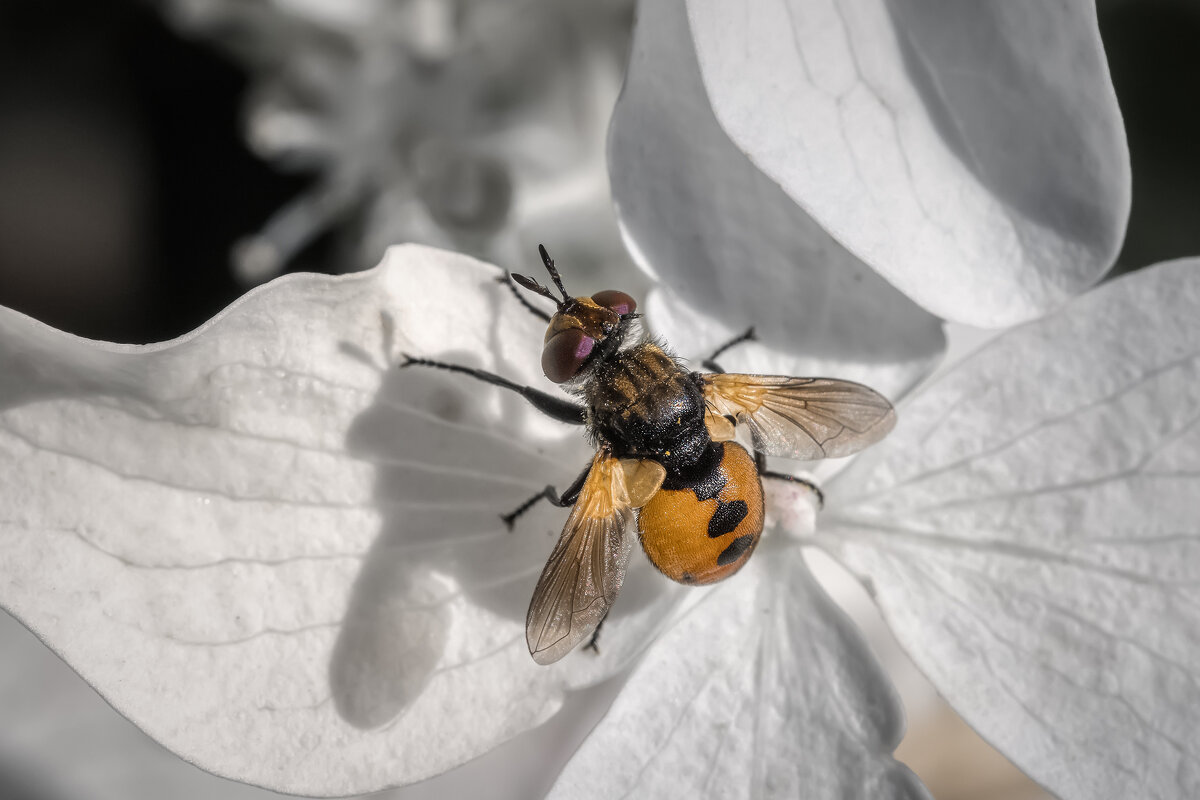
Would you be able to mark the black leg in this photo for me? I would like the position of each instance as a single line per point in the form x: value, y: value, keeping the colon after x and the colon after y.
x: 559, y: 409
x: 592, y: 642
x: 569, y: 496
x: 760, y: 460
x: 710, y: 363
x: 506, y: 279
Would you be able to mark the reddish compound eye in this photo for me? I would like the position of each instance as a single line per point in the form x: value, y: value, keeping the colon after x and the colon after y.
x: 616, y: 300
x: 565, y: 353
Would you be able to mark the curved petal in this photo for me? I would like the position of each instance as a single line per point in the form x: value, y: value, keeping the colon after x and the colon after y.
x: 695, y: 336
x: 62, y: 740
x: 972, y: 153
x: 727, y: 240
x: 254, y: 542
x: 1031, y: 534
x: 763, y: 689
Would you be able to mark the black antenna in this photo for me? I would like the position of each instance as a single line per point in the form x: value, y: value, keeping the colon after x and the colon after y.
x: 549, y: 262
x: 534, y: 286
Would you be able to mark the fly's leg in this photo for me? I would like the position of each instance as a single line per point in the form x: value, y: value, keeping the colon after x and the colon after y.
x: 710, y: 363
x: 593, y: 641
x: 568, y: 498
x: 760, y: 461
x: 551, y: 406
x: 783, y: 476
x: 760, y: 458
x: 506, y: 279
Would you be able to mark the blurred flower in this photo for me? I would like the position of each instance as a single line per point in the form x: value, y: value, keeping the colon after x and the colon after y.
x: 467, y: 125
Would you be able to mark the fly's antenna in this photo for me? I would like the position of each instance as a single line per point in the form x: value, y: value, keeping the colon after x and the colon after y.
x: 534, y: 286
x: 549, y: 262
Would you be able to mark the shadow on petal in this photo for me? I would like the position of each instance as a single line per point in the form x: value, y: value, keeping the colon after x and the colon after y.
x: 764, y: 687
x: 948, y: 49
x: 724, y: 236
x: 445, y: 584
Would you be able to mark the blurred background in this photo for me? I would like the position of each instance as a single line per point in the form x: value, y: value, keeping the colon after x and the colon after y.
x: 157, y: 159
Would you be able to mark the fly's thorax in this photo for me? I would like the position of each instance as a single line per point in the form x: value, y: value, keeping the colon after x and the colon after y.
x: 646, y: 405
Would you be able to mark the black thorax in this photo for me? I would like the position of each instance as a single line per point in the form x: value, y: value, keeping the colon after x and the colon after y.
x: 645, y: 404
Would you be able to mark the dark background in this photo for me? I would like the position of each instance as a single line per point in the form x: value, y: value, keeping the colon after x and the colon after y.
x: 124, y: 180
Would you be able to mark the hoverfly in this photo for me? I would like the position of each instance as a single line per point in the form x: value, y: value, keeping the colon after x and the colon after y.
x: 665, y: 455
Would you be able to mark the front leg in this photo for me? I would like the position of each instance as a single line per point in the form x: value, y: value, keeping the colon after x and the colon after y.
x: 506, y: 279
x: 554, y: 407
x: 711, y: 364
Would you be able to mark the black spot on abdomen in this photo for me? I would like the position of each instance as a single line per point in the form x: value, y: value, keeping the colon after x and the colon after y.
x: 727, y: 517
x: 736, y: 548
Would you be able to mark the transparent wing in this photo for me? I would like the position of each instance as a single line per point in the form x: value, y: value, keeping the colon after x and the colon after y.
x: 584, y: 573
x: 804, y: 418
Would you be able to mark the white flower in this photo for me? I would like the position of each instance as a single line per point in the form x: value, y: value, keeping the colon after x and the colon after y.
x: 253, y: 541
x: 1029, y: 531
x: 254, y: 535
x: 973, y: 155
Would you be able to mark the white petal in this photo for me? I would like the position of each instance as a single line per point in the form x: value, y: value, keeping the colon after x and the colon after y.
x: 1031, y: 532
x: 60, y: 739
x: 278, y: 554
x: 763, y: 689
x: 727, y: 240
x: 972, y: 153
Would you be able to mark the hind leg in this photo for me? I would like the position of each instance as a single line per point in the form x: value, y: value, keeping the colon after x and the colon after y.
x: 760, y: 458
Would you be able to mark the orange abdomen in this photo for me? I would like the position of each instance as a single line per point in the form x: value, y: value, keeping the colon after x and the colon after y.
x: 695, y: 536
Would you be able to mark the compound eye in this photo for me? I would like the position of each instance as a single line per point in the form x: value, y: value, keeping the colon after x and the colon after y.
x: 565, y: 353
x: 616, y: 301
